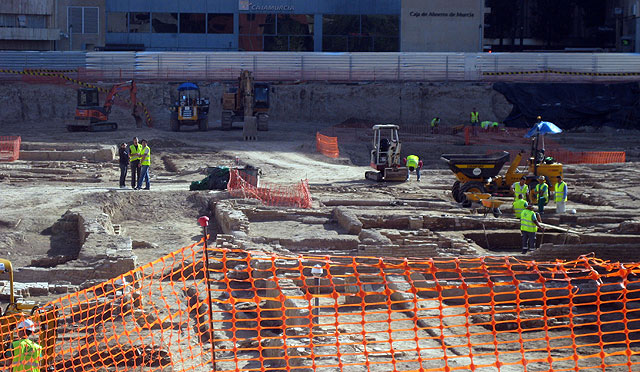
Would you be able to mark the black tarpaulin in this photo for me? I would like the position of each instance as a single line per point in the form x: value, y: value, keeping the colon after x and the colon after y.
x: 572, y: 105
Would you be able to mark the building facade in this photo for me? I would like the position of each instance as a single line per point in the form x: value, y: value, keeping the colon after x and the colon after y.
x: 28, y: 25
x: 82, y: 23
x: 256, y: 25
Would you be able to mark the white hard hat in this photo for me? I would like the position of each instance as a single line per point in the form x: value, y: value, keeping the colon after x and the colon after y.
x: 27, y: 324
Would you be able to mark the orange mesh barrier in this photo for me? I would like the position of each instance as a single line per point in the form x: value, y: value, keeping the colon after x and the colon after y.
x: 242, y: 185
x: 309, y: 313
x: 327, y: 146
x: 588, y: 157
x: 10, y: 148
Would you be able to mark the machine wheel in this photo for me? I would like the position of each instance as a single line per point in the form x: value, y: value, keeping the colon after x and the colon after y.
x: 227, y: 120
x: 203, y: 124
x: 496, y: 212
x: 455, y: 192
x: 175, y: 125
x: 472, y: 186
x: 263, y: 122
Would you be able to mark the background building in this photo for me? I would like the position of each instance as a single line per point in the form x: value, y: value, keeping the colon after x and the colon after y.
x: 257, y: 25
x: 28, y: 25
x: 82, y: 23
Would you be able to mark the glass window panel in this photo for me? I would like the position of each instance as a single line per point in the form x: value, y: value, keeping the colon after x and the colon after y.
x: 295, y: 24
x: 165, y: 23
x: 219, y: 23
x: 382, y: 25
x: 91, y: 21
x: 334, y: 43
x: 139, y: 22
x: 276, y: 43
x: 341, y: 24
x: 36, y: 21
x: 75, y: 19
x: 117, y: 22
x: 386, y: 44
x: 301, y: 43
x: 250, y: 43
x: 192, y: 23
x: 8, y: 20
x: 258, y: 24
x: 360, y: 44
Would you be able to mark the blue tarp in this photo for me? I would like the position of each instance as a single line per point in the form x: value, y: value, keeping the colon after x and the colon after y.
x: 187, y: 86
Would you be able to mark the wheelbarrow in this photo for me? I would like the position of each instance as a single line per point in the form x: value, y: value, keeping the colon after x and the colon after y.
x: 493, y: 206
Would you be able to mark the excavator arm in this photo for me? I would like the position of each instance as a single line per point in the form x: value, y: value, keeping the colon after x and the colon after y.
x: 122, y: 87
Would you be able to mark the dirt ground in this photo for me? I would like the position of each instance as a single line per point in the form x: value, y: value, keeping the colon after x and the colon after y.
x: 36, y: 194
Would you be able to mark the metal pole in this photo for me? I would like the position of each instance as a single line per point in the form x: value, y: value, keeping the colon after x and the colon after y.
x: 204, y: 222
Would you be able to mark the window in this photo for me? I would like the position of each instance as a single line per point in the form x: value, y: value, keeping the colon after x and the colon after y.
x: 139, y: 22
x: 165, y: 23
x: 361, y: 33
x: 192, y: 23
x: 21, y: 20
x: 219, y: 23
x: 276, y: 32
x: 83, y: 20
x: 117, y: 22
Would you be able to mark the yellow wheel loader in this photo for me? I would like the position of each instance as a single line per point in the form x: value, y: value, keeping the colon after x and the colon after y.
x: 15, y: 312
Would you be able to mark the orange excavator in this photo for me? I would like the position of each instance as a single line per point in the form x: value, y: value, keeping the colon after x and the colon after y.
x: 90, y: 117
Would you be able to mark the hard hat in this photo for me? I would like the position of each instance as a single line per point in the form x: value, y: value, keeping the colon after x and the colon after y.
x: 27, y: 324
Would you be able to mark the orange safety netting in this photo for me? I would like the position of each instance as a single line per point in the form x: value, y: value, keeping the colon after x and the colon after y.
x: 327, y: 146
x: 10, y: 148
x: 587, y: 157
x: 267, y: 312
x: 242, y: 185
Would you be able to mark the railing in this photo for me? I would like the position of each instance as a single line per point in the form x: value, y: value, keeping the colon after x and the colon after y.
x: 220, y: 66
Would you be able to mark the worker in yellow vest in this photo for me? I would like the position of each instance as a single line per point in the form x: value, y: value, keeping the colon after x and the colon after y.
x: 529, y: 225
x: 560, y: 194
x: 414, y: 164
x: 519, y: 205
x: 475, y: 121
x: 435, y: 123
x: 25, y: 354
x: 520, y: 188
x: 145, y: 162
x: 542, y: 193
x: 134, y: 159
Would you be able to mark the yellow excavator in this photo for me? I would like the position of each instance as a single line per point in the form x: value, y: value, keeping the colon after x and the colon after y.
x: 15, y: 312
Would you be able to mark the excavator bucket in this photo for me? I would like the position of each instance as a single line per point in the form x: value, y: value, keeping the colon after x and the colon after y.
x: 396, y: 174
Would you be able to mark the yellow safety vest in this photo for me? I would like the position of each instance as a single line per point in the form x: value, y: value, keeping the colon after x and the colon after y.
x: 412, y: 161
x: 526, y: 221
x: 542, y: 190
x: 485, y: 124
x: 561, y: 192
x: 134, y: 152
x: 26, y: 356
x: 475, y: 117
x: 494, y: 124
x: 145, y: 155
x: 519, y: 206
x: 520, y: 190
x: 435, y: 122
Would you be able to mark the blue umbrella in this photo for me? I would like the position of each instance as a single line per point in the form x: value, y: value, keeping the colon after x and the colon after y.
x: 543, y: 127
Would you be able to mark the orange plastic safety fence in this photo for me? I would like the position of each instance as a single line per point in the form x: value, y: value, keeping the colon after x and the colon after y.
x: 10, y: 148
x: 311, y: 313
x: 588, y: 157
x: 327, y: 146
x: 242, y: 185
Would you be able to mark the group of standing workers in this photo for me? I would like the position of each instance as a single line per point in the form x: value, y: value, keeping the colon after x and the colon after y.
x: 475, y: 123
x: 138, y: 156
x: 530, y: 221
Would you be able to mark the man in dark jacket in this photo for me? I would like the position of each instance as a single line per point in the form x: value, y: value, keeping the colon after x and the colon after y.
x: 124, y: 163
